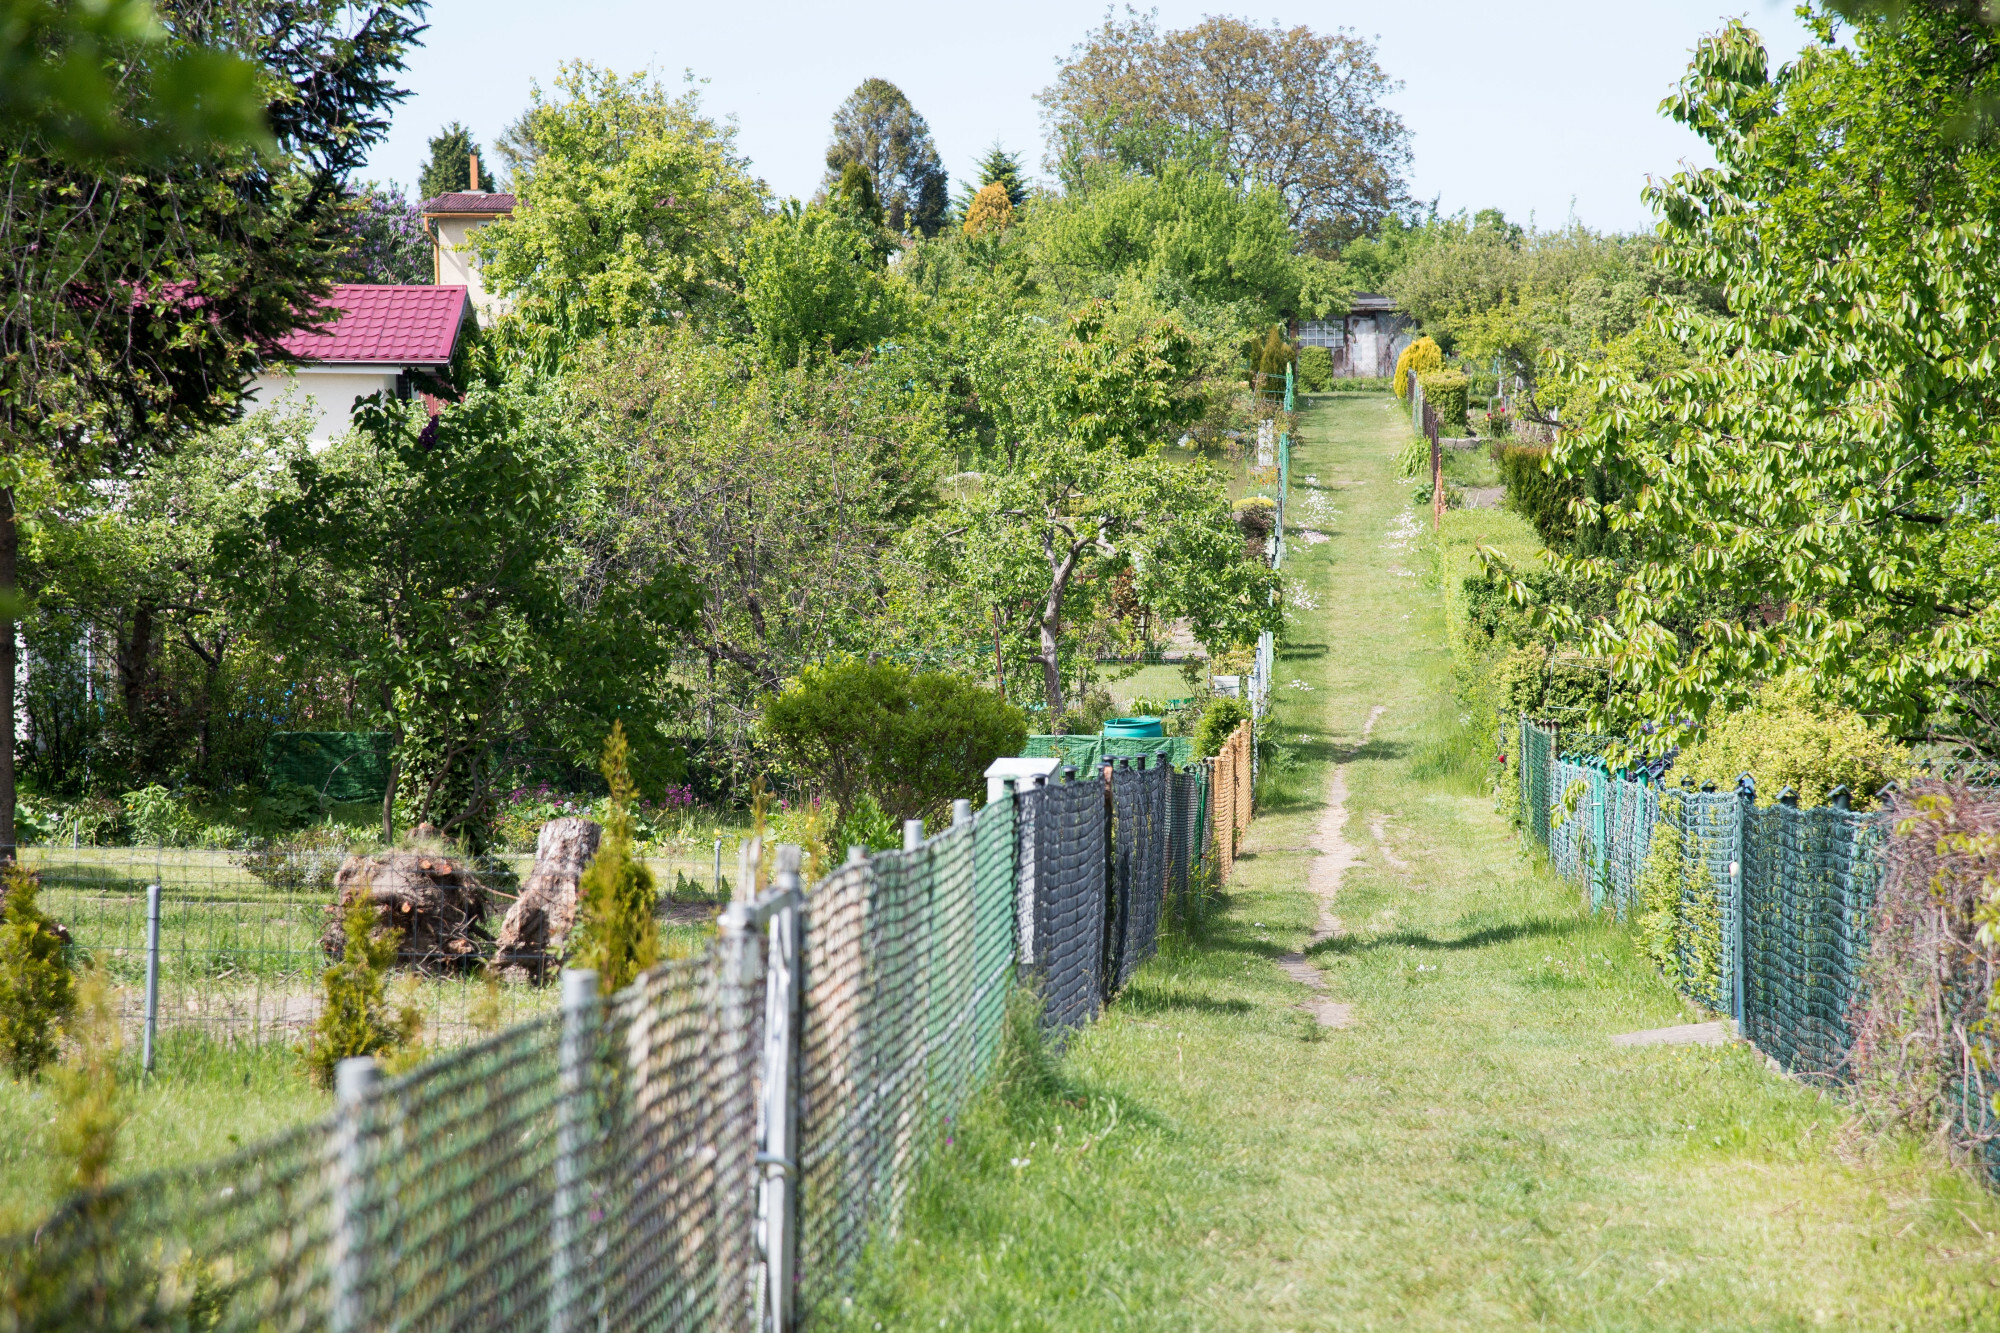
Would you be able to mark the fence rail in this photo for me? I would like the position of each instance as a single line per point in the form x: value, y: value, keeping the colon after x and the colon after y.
x: 712, y: 1148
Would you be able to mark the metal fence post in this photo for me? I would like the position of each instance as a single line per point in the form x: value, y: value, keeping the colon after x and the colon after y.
x: 739, y: 966
x: 777, y: 1155
x: 1746, y: 802
x: 574, y: 1121
x: 715, y: 890
x: 152, y: 975
x: 354, y: 1084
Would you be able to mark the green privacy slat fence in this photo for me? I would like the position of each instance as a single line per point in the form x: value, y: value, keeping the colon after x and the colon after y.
x: 606, y: 1166
x: 1769, y: 923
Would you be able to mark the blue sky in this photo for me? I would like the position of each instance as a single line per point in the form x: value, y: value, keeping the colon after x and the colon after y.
x: 1535, y: 106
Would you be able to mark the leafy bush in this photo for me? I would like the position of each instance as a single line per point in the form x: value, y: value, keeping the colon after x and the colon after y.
x: 1555, y: 686
x: 1420, y: 356
x: 913, y: 740
x: 1790, y: 738
x: 37, y: 989
x: 1926, y: 1022
x: 157, y: 817
x: 1218, y: 722
x: 868, y: 826
x: 357, y: 1018
x: 1315, y: 369
x: 615, y: 932
x: 1446, y: 391
x: 1415, y: 459
x: 305, y: 862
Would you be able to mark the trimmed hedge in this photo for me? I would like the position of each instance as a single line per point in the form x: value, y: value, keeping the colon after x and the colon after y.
x: 1446, y: 392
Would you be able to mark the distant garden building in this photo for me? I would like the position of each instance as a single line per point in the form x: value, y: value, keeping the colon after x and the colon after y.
x: 1364, y: 343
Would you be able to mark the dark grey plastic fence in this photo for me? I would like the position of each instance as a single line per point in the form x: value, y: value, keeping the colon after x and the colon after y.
x: 618, y: 1164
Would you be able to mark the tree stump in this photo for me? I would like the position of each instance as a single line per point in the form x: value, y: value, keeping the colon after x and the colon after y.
x: 432, y: 897
x: 536, y: 929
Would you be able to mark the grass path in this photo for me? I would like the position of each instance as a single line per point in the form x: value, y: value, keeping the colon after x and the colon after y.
x: 1463, y: 1148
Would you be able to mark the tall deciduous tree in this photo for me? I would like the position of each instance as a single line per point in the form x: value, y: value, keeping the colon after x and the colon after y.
x: 139, y: 302
x: 877, y: 127
x: 1297, y: 110
x: 633, y: 211
x: 1827, y: 464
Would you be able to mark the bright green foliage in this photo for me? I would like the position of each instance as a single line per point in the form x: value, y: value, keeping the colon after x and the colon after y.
x: 812, y: 285
x: 1315, y: 369
x: 868, y: 825
x: 1816, y: 490
x: 1218, y: 722
x: 1445, y: 391
x: 449, y: 167
x: 428, y: 556
x: 1185, y: 234
x: 632, y: 212
x: 1418, y: 358
x: 356, y: 1017
x: 915, y: 741
x: 1414, y: 458
x: 83, y: 1139
x: 1659, y: 894
x: 616, y: 934
x: 1788, y: 737
x: 37, y: 989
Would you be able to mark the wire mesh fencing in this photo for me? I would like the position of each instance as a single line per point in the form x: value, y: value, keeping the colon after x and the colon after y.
x: 714, y: 1147
x: 242, y: 938
x: 1762, y: 910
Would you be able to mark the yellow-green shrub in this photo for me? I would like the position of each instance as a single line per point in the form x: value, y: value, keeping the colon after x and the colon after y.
x: 1790, y: 738
x: 990, y: 210
x: 1418, y: 357
x: 1446, y: 391
x: 1315, y: 370
x: 37, y: 988
x: 617, y: 936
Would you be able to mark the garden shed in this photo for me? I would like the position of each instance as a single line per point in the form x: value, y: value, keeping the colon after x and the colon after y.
x: 1364, y: 342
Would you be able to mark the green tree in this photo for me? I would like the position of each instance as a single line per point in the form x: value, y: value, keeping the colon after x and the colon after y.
x: 1287, y: 109
x: 913, y: 741
x: 617, y: 934
x: 439, y: 558
x: 215, y: 251
x: 448, y: 169
x: 1079, y: 491
x: 997, y: 167
x: 878, y: 129
x: 811, y: 283
x: 1816, y: 489
x: 633, y: 212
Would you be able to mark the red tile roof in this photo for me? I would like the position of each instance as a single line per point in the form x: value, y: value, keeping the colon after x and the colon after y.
x: 468, y: 201
x: 405, y: 326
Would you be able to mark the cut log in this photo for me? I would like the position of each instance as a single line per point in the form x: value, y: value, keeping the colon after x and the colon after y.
x: 433, y: 898
x: 536, y: 929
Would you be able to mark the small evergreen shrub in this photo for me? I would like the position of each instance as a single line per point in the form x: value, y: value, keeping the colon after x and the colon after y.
x: 1788, y: 737
x: 37, y: 987
x: 1315, y: 369
x: 1446, y: 391
x: 357, y: 1017
x: 83, y: 1138
x: 616, y: 935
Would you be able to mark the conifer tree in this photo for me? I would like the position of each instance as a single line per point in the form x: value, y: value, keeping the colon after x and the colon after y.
x: 450, y: 166
x: 37, y: 990
x: 616, y: 934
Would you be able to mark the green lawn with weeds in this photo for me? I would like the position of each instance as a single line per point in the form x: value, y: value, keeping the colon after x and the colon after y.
x: 1472, y: 1152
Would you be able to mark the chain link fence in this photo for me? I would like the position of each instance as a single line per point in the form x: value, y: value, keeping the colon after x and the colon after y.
x: 712, y: 1148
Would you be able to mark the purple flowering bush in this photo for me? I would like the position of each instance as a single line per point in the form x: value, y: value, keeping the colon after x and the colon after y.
x: 388, y: 242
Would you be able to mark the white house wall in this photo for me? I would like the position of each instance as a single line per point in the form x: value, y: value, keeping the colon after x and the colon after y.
x: 328, y: 396
x: 457, y: 265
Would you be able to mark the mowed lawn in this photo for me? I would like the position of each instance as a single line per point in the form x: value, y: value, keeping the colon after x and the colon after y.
x: 1472, y: 1152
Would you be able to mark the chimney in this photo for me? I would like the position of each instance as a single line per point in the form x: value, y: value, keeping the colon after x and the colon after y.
x: 475, y: 173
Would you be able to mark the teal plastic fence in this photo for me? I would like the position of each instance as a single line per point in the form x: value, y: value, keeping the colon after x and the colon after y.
x: 1763, y: 909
